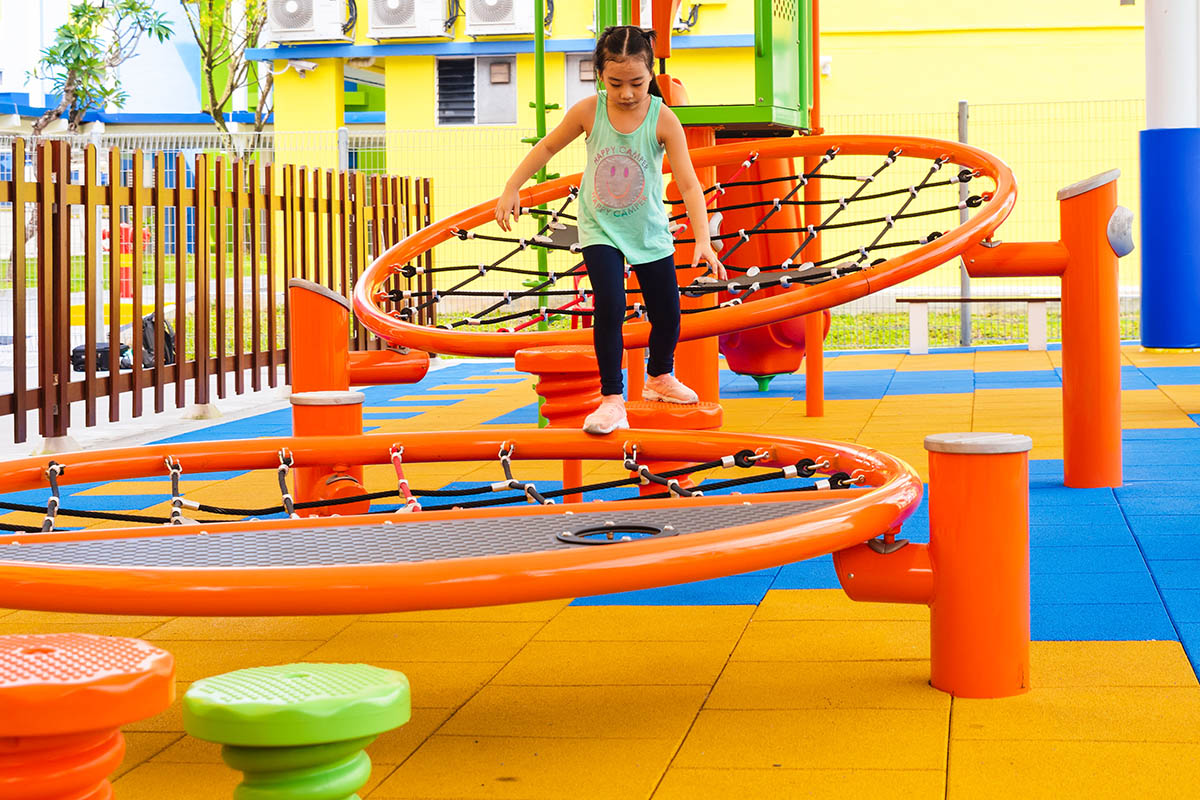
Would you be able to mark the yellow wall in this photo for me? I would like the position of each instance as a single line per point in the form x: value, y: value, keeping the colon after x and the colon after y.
x: 308, y: 112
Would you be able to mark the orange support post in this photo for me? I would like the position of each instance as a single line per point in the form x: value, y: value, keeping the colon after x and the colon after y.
x: 321, y: 403
x: 814, y: 324
x: 1094, y: 235
x: 973, y: 574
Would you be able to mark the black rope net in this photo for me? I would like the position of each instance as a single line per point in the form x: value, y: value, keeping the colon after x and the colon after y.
x: 737, y: 472
x: 871, y: 208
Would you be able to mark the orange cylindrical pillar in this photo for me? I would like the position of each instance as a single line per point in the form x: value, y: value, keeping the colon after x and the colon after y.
x: 329, y: 414
x: 1091, y: 336
x: 979, y: 550
x: 320, y: 338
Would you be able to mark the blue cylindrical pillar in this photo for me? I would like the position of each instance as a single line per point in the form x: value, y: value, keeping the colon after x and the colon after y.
x: 1170, y: 238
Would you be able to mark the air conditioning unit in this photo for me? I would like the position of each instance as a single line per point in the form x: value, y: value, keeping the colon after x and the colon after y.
x: 398, y: 19
x: 499, y: 17
x: 305, y: 20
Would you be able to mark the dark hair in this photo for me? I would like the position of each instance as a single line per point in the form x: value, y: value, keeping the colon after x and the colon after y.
x: 619, y: 42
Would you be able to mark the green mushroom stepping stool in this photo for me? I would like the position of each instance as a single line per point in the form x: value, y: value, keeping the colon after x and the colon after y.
x: 297, y: 732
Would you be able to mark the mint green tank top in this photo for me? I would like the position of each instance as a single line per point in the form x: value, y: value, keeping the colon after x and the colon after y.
x: 621, y: 193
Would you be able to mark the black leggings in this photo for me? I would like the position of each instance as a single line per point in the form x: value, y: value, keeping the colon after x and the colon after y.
x: 660, y: 296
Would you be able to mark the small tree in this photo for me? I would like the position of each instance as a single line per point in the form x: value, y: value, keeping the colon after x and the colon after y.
x: 224, y: 29
x: 82, y: 62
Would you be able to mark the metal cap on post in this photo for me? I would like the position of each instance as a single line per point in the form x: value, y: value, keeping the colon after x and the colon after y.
x: 979, y: 548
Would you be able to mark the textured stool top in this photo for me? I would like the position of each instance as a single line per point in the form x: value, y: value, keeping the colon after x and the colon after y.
x: 66, y: 682
x: 296, y: 704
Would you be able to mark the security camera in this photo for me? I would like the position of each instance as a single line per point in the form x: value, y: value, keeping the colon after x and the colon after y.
x: 302, y: 67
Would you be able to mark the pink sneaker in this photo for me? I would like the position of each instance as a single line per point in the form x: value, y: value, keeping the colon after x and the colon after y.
x: 667, y: 389
x: 610, y: 416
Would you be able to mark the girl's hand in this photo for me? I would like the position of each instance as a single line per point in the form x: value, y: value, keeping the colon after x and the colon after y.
x: 705, y: 251
x: 509, y: 205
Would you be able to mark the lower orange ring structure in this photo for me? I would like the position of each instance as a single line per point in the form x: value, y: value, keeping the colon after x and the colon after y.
x: 892, y: 490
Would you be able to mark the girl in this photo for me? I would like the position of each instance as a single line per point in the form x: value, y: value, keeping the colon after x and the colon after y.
x: 622, y: 217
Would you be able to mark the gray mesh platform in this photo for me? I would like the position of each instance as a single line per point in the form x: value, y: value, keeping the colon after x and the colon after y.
x: 387, y: 544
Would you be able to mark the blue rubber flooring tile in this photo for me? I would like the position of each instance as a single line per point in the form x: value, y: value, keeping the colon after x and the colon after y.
x: 397, y: 414
x: 815, y: 573
x: 1182, y: 604
x: 1078, y: 536
x: 1189, y: 635
x: 1097, y: 558
x: 1109, y: 622
x: 1178, y: 454
x: 1135, y: 379
x: 38, y: 497
x: 1076, y: 515
x: 1061, y: 495
x: 1177, y: 574
x: 1159, y: 434
x: 1171, y: 547
x: 271, y: 423
x: 1166, y: 490
x: 1173, y: 376
x: 525, y: 415
x: 1096, y: 587
x: 1150, y: 472
x: 1164, y: 525
x: 459, y: 389
x: 736, y: 590
x: 839, y: 385
x: 1046, y: 469
x: 1018, y: 379
x: 943, y: 381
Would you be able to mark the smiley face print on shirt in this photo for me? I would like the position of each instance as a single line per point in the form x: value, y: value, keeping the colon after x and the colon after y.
x: 619, y: 180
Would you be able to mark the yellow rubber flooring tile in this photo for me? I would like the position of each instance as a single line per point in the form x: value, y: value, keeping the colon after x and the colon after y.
x: 1001, y: 770
x: 470, y: 767
x: 844, y: 738
x: 141, y: 746
x: 923, y: 404
x: 1123, y: 713
x: 436, y: 686
x: 130, y: 629
x: 1012, y: 360
x: 514, y: 612
x: 862, y: 640
x: 579, y: 712
x: 1170, y: 419
x: 936, y: 361
x: 831, y: 604
x: 607, y: 663
x: 1080, y: 664
x: 170, y: 720
x: 647, y: 624
x: 1145, y: 358
x: 200, y: 659
x: 427, y: 641
x: 394, y: 746
x: 156, y: 780
x: 813, y: 784
x: 866, y: 361
x: 1035, y: 397
x: 250, y: 628
x: 1186, y: 397
x: 826, y: 684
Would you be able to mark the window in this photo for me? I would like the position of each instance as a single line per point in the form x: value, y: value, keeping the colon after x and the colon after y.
x: 580, y: 79
x: 477, y: 91
x: 456, y: 91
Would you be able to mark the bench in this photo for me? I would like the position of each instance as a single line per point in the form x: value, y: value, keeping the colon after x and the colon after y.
x: 918, y: 318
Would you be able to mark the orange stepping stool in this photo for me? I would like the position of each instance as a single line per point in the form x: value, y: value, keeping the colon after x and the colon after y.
x: 63, y: 698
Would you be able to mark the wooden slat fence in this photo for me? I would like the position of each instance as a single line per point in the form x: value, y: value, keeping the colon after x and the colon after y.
x: 223, y: 236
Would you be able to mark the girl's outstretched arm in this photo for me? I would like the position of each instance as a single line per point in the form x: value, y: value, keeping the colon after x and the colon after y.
x: 671, y: 132
x: 508, y: 207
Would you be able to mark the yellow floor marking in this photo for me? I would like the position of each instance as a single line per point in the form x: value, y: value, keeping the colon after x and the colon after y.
x: 824, y: 784
x: 542, y: 663
x: 846, y: 738
x: 1001, y: 770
